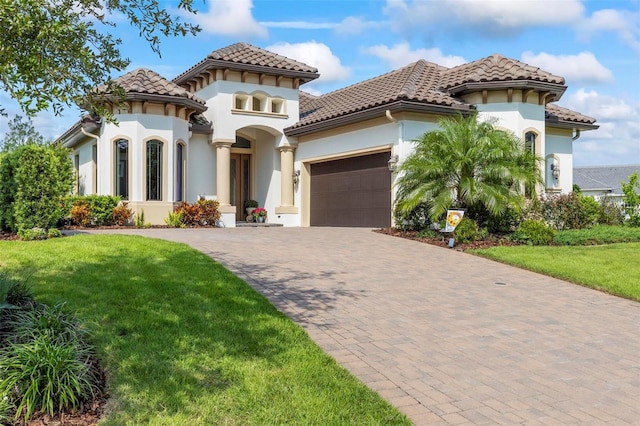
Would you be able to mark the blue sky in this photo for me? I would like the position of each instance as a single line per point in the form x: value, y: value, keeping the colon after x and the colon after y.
x: 595, y: 45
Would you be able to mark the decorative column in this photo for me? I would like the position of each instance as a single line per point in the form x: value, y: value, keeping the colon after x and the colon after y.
x: 286, y: 180
x: 223, y: 177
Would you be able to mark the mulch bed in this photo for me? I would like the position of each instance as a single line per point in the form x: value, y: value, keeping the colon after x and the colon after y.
x: 491, y: 241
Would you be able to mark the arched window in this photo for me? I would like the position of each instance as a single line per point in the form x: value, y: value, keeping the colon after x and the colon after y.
x: 241, y: 142
x: 121, y: 171
x: 180, y: 170
x: 154, y: 170
x: 530, y: 142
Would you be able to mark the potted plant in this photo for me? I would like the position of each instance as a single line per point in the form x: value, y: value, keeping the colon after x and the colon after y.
x: 250, y: 205
x: 260, y: 214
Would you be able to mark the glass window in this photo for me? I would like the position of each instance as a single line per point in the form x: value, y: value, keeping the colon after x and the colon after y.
x: 122, y: 168
x: 241, y: 143
x: 180, y: 172
x: 154, y: 170
x: 530, y: 142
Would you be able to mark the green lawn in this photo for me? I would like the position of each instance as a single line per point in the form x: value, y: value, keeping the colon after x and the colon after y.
x: 184, y: 341
x: 614, y: 268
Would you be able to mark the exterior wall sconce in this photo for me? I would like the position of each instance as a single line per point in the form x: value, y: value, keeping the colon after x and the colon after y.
x: 296, y: 177
x: 393, y: 161
x: 555, y: 171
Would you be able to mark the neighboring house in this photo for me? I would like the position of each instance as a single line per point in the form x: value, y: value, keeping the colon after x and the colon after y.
x: 236, y: 126
x: 599, y: 181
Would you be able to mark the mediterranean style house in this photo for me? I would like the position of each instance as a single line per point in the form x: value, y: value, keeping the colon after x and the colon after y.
x: 237, y: 126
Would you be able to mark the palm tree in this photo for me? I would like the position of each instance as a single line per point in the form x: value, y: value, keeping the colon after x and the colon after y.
x: 470, y: 164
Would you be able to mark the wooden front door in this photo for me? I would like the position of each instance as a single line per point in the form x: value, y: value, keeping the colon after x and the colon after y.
x: 240, y: 183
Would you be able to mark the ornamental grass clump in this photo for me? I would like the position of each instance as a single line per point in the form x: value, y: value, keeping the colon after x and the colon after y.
x: 46, y: 363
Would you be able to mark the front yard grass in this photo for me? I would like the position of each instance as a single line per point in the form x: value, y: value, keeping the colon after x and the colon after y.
x: 613, y: 268
x: 184, y: 341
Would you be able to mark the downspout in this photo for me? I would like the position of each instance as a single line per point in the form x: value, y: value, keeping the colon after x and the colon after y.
x: 400, y: 146
x: 576, y: 136
x: 97, y: 138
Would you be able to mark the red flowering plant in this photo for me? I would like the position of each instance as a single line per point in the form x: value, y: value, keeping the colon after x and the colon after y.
x: 259, y: 212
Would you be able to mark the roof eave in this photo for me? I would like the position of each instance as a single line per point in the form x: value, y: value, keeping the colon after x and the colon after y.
x: 574, y: 125
x: 555, y: 88
x: 154, y: 97
x: 74, y: 135
x: 376, y: 112
x: 207, y: 64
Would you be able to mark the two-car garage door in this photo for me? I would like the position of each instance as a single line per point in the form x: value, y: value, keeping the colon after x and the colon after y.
x: 351, y: 192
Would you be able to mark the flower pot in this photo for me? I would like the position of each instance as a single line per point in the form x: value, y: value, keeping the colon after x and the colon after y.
x: 250, y: 210
x: 260, y: 219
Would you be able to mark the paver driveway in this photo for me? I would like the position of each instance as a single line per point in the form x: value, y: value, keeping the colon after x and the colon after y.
x: 445, y: 336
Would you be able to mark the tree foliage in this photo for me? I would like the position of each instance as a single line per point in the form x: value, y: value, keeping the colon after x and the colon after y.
x: 467, y: 163
x: 53, y: 52
x: 631, y: 199
x: 21, y: 132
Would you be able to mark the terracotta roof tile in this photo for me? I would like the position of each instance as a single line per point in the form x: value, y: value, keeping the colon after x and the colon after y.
x: 244, y: 53
x: 147, y: 82
x: 556, y: 112
x: 495, y: 68
x: 416, y: 82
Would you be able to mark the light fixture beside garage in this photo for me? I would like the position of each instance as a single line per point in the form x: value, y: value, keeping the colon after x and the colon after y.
x: 296, y: 177
x: 393, y: 161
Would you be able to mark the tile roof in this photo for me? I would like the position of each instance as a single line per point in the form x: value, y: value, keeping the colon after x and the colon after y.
x: 243, y: 56
x: 245, y: 53
x: 603, y: 177
x: 495, y: 68
x: 431, y: 84
x: 143, y: 82
x: 417, y: 82
x: 555, y: 112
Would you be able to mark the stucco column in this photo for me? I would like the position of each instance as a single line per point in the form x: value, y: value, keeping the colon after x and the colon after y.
x: 223, y: 176
x: 286, y: 180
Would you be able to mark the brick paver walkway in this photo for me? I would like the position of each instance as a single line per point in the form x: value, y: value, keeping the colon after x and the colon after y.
x: 446, y: 337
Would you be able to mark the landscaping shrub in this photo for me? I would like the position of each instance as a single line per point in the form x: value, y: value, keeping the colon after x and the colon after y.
x: 140, y: 222
x: 14, y: 293
x: 190, y: 213
x: 610, y: 212
x: 47, y: 365
x: 46, y: 375
x: 32, y: 180
x: 100, y: 209
x: 201, y: 213
x: 209, y: 213
x: 54, y: 233
x: 569, y: 211
x: 9, y: 162
x: 534, y: 232
x: 32, y: 234
x: 174, y: 220
x: 80, y: 213
x: 122, y: 214
x: 415, y: 220
x: 466, y: 231
x: 600, y: 234
x: 428, y: 233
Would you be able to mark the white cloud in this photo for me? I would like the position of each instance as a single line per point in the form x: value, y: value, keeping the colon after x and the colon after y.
x: 617, y: 141
x: 583, y: 67
x: 401, y: 54
x: 317, y: 55
x: 485, y: 18
x: 300, y: 25
x: 602, y: 107
x: 230, y: 18
x: 622, y: 22
x: 355, y: 25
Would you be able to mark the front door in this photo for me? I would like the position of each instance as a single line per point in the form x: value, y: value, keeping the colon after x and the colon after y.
x: 240, y: 183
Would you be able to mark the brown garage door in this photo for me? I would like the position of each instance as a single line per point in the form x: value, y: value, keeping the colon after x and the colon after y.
x: 352, y: 192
